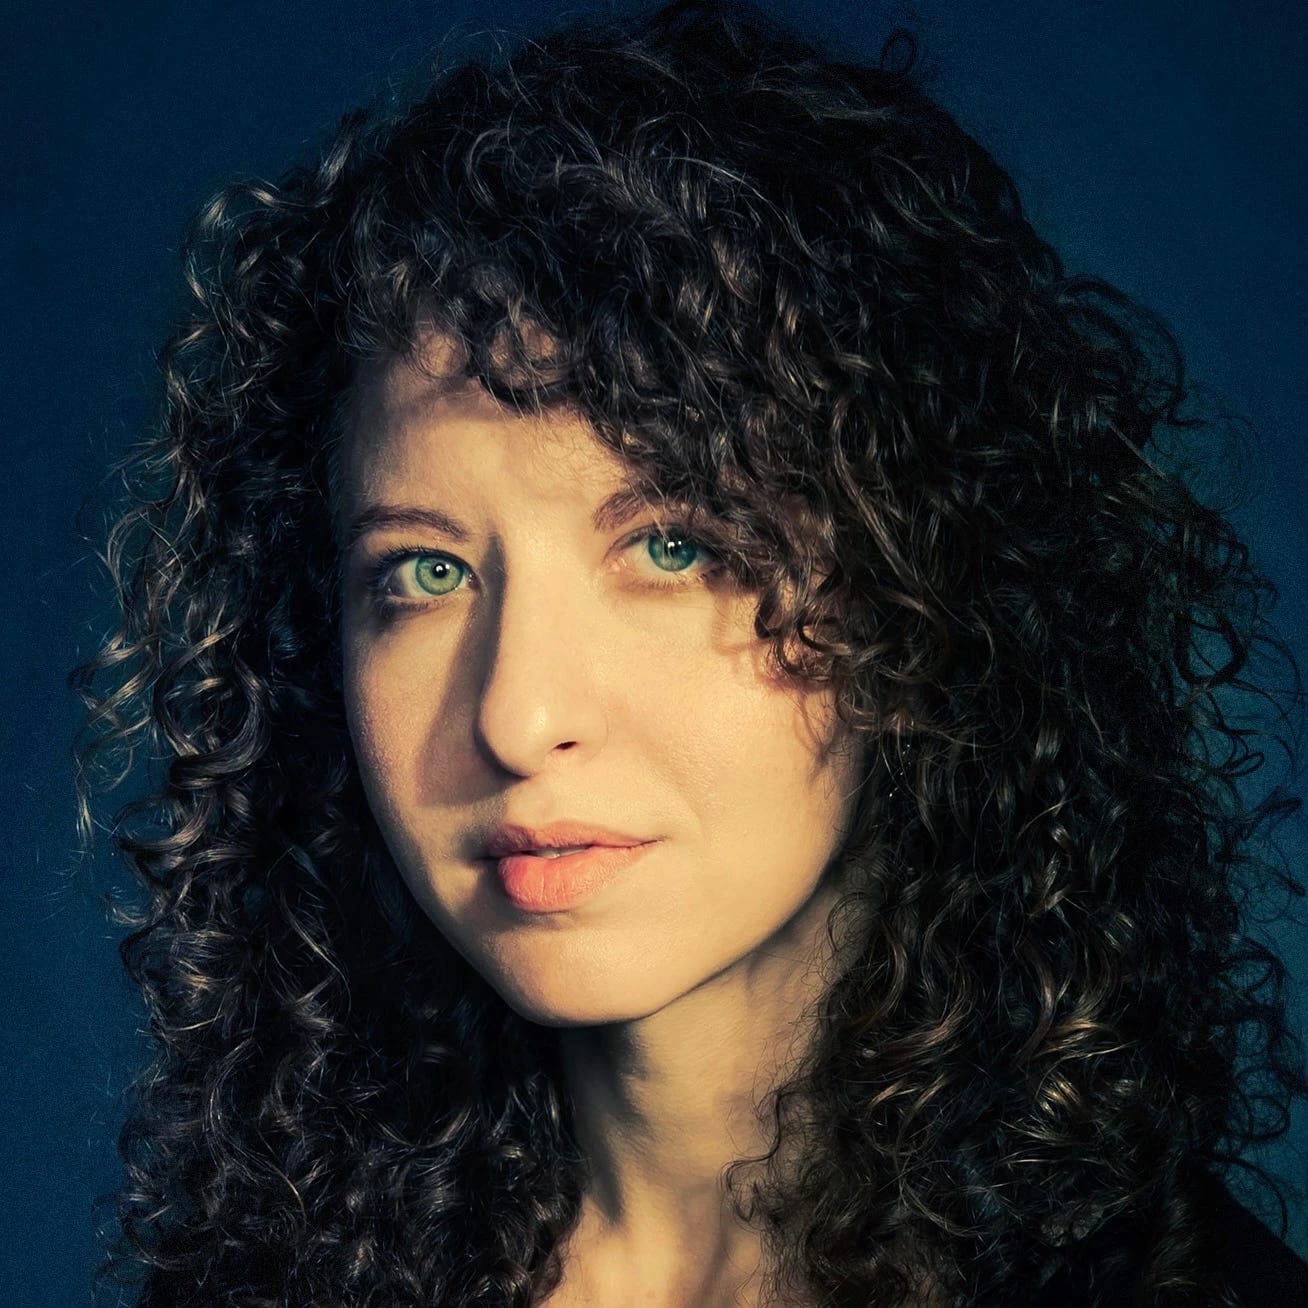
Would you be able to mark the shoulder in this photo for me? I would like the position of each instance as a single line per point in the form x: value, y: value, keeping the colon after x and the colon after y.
x: 1263, y: 1270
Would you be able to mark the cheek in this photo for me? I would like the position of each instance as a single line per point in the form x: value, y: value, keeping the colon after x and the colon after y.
x: 383, y: 724
x: 771, y: 789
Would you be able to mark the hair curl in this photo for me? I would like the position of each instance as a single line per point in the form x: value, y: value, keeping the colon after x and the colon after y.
x: 762, y: 273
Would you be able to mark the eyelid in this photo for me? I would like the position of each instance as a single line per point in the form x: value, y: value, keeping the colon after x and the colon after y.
x: 673, y: 527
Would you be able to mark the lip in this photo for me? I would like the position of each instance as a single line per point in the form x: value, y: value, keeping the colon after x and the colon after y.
x: 513, y: 838
x: 552, y: 885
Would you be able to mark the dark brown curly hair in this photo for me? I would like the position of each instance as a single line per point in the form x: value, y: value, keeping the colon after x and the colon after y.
x: 760, y: 271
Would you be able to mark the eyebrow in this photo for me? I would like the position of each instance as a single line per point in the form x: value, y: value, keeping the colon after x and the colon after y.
x: 619, y: 507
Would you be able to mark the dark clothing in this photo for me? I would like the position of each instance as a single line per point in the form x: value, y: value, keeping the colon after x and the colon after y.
x: 1262, y: 1270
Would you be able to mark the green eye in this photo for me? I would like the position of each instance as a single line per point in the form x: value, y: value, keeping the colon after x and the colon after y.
x: 677, y: 551
x: 681, y: 557
x: 436, y: 575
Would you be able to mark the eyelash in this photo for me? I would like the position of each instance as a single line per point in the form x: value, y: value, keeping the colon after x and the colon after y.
x: 379, y: 572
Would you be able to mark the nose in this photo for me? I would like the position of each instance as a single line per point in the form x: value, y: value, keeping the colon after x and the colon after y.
x: 539, y: 696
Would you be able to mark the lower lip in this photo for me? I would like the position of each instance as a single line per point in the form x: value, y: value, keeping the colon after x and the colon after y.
x: 551, y: 885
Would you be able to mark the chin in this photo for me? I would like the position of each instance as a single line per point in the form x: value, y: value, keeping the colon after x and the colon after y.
x: 563, y: 1003
x: 543, y: 1013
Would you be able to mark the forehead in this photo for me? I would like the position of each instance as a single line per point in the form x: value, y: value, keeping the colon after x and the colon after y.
x: 415, y: 420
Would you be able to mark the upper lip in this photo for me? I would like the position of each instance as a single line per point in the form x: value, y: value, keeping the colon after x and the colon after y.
x: 512, y: 838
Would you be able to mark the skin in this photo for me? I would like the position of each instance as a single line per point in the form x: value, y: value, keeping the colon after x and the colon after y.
x: 556, y: 681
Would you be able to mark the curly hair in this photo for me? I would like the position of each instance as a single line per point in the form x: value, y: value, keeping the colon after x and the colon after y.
x: 759, y: 271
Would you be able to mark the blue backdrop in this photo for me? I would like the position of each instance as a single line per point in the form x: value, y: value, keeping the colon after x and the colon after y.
x: 1158, y: 143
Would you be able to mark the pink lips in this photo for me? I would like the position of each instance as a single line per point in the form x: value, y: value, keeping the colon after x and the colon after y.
x: 536, y: 884
x: 514, y: 838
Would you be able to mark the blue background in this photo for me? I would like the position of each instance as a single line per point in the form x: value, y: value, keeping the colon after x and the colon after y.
x: 1158, y: 144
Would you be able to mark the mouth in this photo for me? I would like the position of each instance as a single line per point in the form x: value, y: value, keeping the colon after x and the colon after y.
x: 558, y: 839
x: 576, y: 874
x: 548, y: 853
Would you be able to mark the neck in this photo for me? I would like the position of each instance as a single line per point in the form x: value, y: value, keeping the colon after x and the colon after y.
x: 664, y: 1103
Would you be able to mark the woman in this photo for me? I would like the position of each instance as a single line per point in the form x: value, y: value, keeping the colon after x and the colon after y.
x: 681, y: 681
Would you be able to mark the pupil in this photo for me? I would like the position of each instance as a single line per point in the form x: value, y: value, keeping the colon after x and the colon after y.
x: 671, y: 545
x: 439, y: 569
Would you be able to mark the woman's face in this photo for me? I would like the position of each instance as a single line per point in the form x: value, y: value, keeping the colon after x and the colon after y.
x: 543, y: 669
